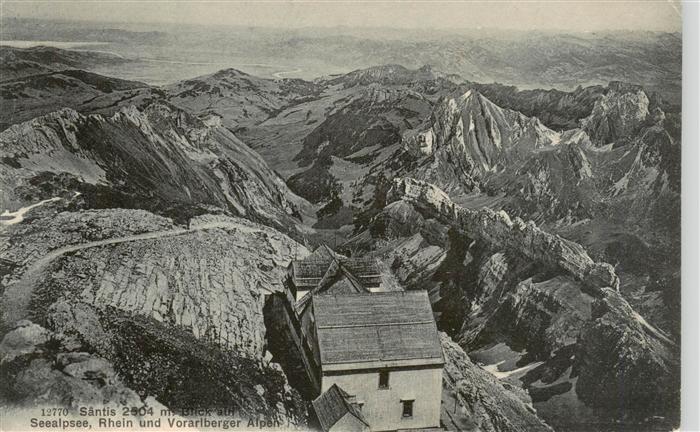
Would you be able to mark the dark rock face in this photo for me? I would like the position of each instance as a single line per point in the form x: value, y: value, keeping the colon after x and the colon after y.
x: 540, y: 317
x: 184, y: 372
x: 625, y: 365
x: 559, y: 110
x: 474, y: 400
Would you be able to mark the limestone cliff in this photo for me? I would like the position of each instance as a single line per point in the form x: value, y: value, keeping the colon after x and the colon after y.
x: 618, y: 114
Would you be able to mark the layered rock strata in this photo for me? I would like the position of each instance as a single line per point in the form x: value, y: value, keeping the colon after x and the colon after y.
x: 498, y: 229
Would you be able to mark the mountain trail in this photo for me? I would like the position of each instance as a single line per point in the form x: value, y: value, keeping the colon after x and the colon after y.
x: 16, y: 298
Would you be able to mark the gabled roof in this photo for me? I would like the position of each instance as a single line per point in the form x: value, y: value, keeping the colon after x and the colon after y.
x: 379, y: 327
x: 366, y: 270
x: 308, y: 273
x: 333, y: 405
x: 337, y: 280
x: 322, y: 253
x: 338, y: 272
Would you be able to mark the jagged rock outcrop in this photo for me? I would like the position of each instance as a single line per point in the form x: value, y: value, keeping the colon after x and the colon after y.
x: 362, y: 131
x: 557, y: 109
x: 474, y: 400
x: 497, y: 228
x: 476, y: 151
x: 618, y: 114
x: 625, y: 364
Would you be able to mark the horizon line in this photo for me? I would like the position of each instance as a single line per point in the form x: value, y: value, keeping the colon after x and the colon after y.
x: 450, y: 29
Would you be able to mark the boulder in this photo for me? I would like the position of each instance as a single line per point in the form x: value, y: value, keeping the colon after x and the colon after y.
x: 34, y: 374
x: 26, y: 338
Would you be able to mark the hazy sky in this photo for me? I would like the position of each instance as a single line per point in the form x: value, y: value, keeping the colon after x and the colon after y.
x: 588, y: 15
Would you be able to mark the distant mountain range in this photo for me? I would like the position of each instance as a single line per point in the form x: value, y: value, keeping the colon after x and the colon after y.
x: 545, y: 224
x: 529, y: 59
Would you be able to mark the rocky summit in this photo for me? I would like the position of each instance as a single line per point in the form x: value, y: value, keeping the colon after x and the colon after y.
x: 469, y: 136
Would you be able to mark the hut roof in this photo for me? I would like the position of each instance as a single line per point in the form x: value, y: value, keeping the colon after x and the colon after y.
x: 333, y: 405
x: 387, y: 326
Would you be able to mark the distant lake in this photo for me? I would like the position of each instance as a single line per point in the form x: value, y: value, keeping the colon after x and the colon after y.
x: 166, y: 63
x: 54, y: 44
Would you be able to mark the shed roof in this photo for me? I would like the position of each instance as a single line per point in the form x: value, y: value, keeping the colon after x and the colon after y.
x: 387, y: 326
x: 333, y: 405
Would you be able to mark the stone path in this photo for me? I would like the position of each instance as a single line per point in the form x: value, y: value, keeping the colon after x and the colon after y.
x: 15, y: 301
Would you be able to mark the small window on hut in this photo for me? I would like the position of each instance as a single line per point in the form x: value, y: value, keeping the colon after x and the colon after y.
x: 407, y: 408
x: 384, y: 379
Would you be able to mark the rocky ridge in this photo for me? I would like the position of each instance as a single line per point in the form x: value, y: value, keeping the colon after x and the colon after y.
x: 390, y: 74
x: 48, y: 229
x: 142, y: 158
x: 618, y: 114
x: 200, y: 280
x: 497, y: 228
